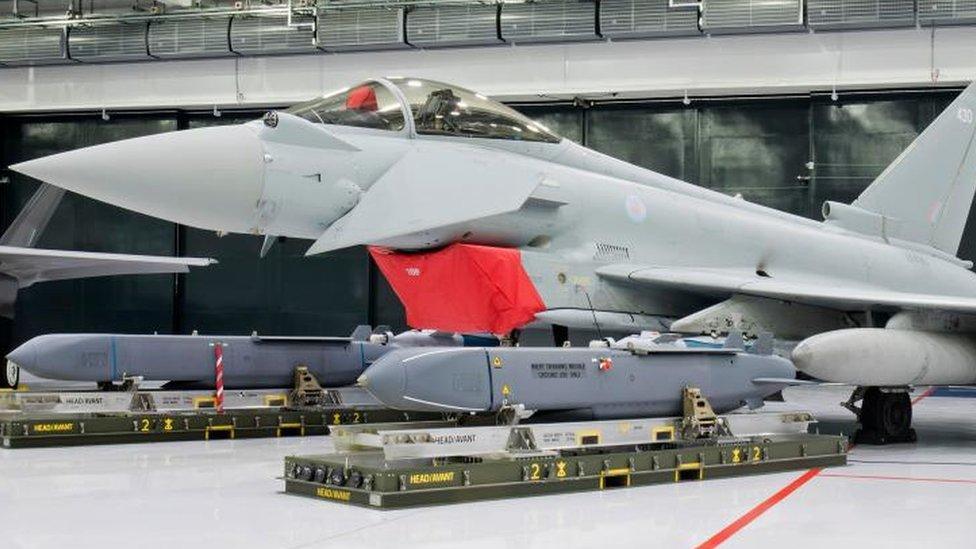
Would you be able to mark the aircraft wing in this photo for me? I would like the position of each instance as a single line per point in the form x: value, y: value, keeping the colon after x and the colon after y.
x: 31, y: 265
x: 798, y: 289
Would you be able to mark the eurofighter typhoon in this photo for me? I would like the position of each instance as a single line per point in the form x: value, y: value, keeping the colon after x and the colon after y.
x: 485, y: 220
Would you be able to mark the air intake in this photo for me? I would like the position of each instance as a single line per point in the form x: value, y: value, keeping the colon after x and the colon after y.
x: 743, y: 16
x: 549, y: 21
x: 270, y: 34
x: 181, y: 38
x: 361, y: 29
x: 439, y: 26
x: 946, y: 12
x: 111, y: 42
x: 857, y: 14
x: 646, y: 19
x: 32, y: 46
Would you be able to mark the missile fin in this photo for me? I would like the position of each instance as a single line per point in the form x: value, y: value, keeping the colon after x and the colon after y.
x: 361, y: 333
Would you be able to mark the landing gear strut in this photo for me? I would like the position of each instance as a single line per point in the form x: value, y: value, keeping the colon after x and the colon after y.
x: 885, y: 415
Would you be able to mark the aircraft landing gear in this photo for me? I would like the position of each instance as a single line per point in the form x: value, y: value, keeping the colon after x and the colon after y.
x: 885, y: 415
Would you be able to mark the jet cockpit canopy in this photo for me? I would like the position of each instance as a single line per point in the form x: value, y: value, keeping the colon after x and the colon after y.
x: 368, y: 105
x: 436, y: 109
x: 444, y: 109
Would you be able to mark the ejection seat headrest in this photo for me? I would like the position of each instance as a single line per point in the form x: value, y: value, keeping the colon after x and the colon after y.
x: 362, y: 98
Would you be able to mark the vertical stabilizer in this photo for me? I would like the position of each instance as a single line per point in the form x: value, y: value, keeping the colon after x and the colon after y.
x: 925, y: 195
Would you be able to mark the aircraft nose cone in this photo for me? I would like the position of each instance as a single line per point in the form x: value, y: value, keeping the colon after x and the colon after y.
x: 177, y: 176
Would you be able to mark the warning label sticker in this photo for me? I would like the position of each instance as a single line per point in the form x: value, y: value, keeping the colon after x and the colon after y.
x: 559, y: 371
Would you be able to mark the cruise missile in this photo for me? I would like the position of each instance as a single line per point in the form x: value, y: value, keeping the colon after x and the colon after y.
x: 250, y: 362
x: 631, y: 378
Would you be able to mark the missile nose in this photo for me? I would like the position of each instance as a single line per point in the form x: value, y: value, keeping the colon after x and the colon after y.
x: 178, y: 176
x: 385, y: 379
x: 24, y: 356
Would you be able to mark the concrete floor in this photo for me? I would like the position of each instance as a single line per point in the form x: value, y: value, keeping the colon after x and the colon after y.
x: 224, y: 494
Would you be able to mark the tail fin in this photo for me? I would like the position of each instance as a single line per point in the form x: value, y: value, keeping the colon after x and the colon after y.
x: 925, y: 195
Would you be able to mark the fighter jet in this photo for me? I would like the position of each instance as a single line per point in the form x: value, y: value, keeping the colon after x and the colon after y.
x: 485, y: 220
x: 22, y: 265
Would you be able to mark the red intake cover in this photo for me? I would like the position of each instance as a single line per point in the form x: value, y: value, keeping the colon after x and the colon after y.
x: 462, y: 288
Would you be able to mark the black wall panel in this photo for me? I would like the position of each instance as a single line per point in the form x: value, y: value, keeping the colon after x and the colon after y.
x: 758, y: 150
x: 282, y: 293
x: 565, y: 122
x: 663, y: 139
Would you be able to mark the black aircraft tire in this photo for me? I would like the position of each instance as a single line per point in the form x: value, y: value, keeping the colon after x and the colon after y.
x: 896, y: 413
x: 11, y: 376
x: 887, y: 415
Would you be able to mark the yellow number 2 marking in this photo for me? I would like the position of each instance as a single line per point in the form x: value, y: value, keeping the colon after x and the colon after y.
x: 535, y: 471
x: 144, y: 425
x: 756, y: 453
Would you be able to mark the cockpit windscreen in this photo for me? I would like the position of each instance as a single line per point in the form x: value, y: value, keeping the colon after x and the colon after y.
x: 369, y: 105
x: 442, y: 109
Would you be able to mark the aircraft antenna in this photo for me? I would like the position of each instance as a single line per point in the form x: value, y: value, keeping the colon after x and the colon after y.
x: 599, y: 332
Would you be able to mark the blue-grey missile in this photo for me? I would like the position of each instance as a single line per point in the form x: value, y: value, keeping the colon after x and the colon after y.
x: 249, y: 361
x: 595, y: 382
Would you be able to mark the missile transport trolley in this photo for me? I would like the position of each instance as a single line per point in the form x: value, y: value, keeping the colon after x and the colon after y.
x: 395, y: 466
x: 78, y: 418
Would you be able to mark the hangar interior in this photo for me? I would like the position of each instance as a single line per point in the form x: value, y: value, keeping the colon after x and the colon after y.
x: 786, y: 103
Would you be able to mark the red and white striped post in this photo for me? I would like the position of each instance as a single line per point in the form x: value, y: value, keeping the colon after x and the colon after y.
x: 219, y: 371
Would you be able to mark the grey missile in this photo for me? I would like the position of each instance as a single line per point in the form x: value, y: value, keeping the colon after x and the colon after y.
x: 249, y: 361
x: 633, y: 378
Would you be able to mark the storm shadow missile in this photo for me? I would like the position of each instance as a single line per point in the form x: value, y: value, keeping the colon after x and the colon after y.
x: 633, y: 378
x: 879, y: 357
x: 250, y: 362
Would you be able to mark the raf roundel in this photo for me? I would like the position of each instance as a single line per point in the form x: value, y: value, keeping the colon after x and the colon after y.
x: 636, y: 210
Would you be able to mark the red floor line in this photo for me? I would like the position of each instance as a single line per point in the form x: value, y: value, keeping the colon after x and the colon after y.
x: 758, y: 510
x: 919, y: 398
x: 912, y: 479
